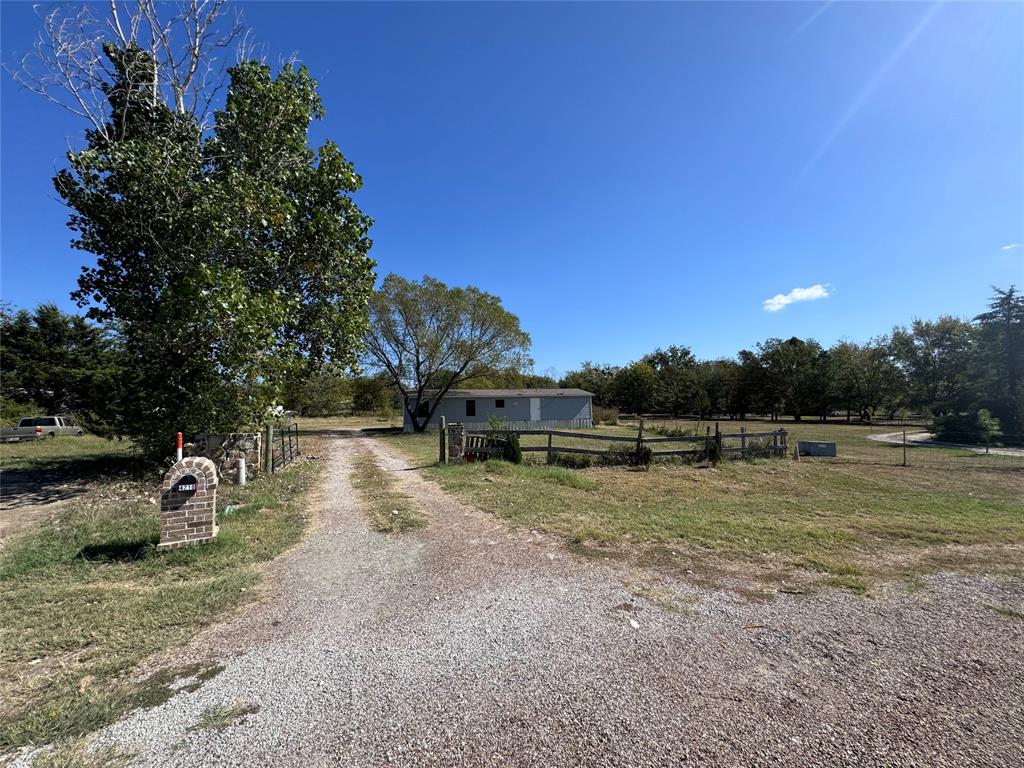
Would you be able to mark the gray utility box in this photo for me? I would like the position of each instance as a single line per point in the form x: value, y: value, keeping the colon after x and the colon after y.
x: 812, y: 448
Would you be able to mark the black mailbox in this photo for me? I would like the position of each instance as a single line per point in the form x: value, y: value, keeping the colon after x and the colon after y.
x: 187, y: 484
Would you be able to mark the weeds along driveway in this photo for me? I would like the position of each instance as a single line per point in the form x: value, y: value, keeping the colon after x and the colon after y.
x: 462, y: 643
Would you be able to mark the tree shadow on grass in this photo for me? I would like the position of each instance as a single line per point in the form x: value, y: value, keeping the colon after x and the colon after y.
x: 120, y: 552
x: 58, y: 479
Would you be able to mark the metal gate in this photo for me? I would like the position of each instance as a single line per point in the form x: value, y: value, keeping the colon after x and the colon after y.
x: 286, y: 446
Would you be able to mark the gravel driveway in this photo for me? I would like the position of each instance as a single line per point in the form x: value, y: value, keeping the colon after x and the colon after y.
x: 467, y: 644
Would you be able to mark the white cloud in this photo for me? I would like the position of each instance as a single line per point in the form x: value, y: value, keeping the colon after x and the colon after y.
x: 1011, y: 246
x: 780, y: 300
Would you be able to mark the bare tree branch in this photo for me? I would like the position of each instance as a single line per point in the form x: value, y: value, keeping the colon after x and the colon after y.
x: 188, y: 41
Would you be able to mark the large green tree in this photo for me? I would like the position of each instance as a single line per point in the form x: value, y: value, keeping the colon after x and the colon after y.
x: 635, y: 388
x: 936, y: 357
x: 225, y: 261
x: 793, y: 377
x: 59, y: 363
x: 677, y: 383
x: 594, y: 378
x: 746, y: 384
x: 1000, y: 362
x: 862, y: 379
x: 430, y: 337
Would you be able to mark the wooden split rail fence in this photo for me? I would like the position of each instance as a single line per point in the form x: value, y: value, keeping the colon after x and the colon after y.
x: 480, y: 446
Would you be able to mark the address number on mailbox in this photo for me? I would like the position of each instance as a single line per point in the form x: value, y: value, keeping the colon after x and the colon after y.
x: 187, y: 484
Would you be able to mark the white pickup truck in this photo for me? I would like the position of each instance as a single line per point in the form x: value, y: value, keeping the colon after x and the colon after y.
x: 35, y: 427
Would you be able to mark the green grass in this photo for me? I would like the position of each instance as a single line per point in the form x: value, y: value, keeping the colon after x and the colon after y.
x: 312, y: 425
x: 850, y: 522
x: 84, y: 455
x: 77, y: 754
x: 220, y: 717
x: 387, y: 509
x: 87, y: 597
x: 853, y: 443
x: 853, y: 584
x: 520, y: 474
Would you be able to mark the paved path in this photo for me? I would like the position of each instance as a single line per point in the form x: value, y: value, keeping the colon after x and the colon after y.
x: 465, y: 644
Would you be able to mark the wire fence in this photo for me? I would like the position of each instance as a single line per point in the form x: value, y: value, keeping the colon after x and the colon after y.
x: 909, y: 445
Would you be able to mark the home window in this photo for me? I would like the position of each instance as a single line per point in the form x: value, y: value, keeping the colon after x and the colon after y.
x: 471, y: 407
x: 499, y: 403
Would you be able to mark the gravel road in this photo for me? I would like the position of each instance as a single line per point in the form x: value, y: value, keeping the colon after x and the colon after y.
x: 464, y: 644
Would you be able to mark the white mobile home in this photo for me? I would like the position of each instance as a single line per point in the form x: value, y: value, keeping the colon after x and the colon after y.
x: 517, y: 408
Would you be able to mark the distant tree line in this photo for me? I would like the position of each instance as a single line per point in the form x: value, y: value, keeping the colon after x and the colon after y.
x: 967, y: 375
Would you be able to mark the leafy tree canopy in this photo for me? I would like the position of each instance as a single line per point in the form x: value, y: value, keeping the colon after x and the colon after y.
x: 225, y: 261
x: 635, y: 387
x: 430, y: 337
x: 57, y: 363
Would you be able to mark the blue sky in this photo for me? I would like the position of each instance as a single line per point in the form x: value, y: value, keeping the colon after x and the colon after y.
x: 627, y: 176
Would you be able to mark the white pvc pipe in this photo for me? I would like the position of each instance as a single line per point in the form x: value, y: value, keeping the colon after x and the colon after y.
x: 241, y: 470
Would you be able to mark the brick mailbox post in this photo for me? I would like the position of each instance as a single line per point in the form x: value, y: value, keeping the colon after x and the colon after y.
x: 188, y: 503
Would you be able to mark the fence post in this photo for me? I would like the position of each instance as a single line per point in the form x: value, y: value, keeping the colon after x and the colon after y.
x: 785, y: 441
x: 640, y: 439
x: 743, y: 442
x: 442, y: 431
x: 718, y: 438
x: 268, y: 448
x: 775, y: 443
x: 988, y: 442
x: 549, y: 447
x: 904, y: 447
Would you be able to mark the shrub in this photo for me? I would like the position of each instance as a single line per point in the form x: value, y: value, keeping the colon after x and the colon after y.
x: 644, y: 456
x: 712, y: 452
x: 603, y: 415
x: 759, y: 449
x: 11, y: 411
x: 978, y: 427
x: 572, y: 460
x: 627, y: 455
x: 512, y: 451
x: 661, y: 429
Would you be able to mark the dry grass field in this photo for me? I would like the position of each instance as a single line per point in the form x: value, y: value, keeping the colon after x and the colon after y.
x: 849, y: 523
